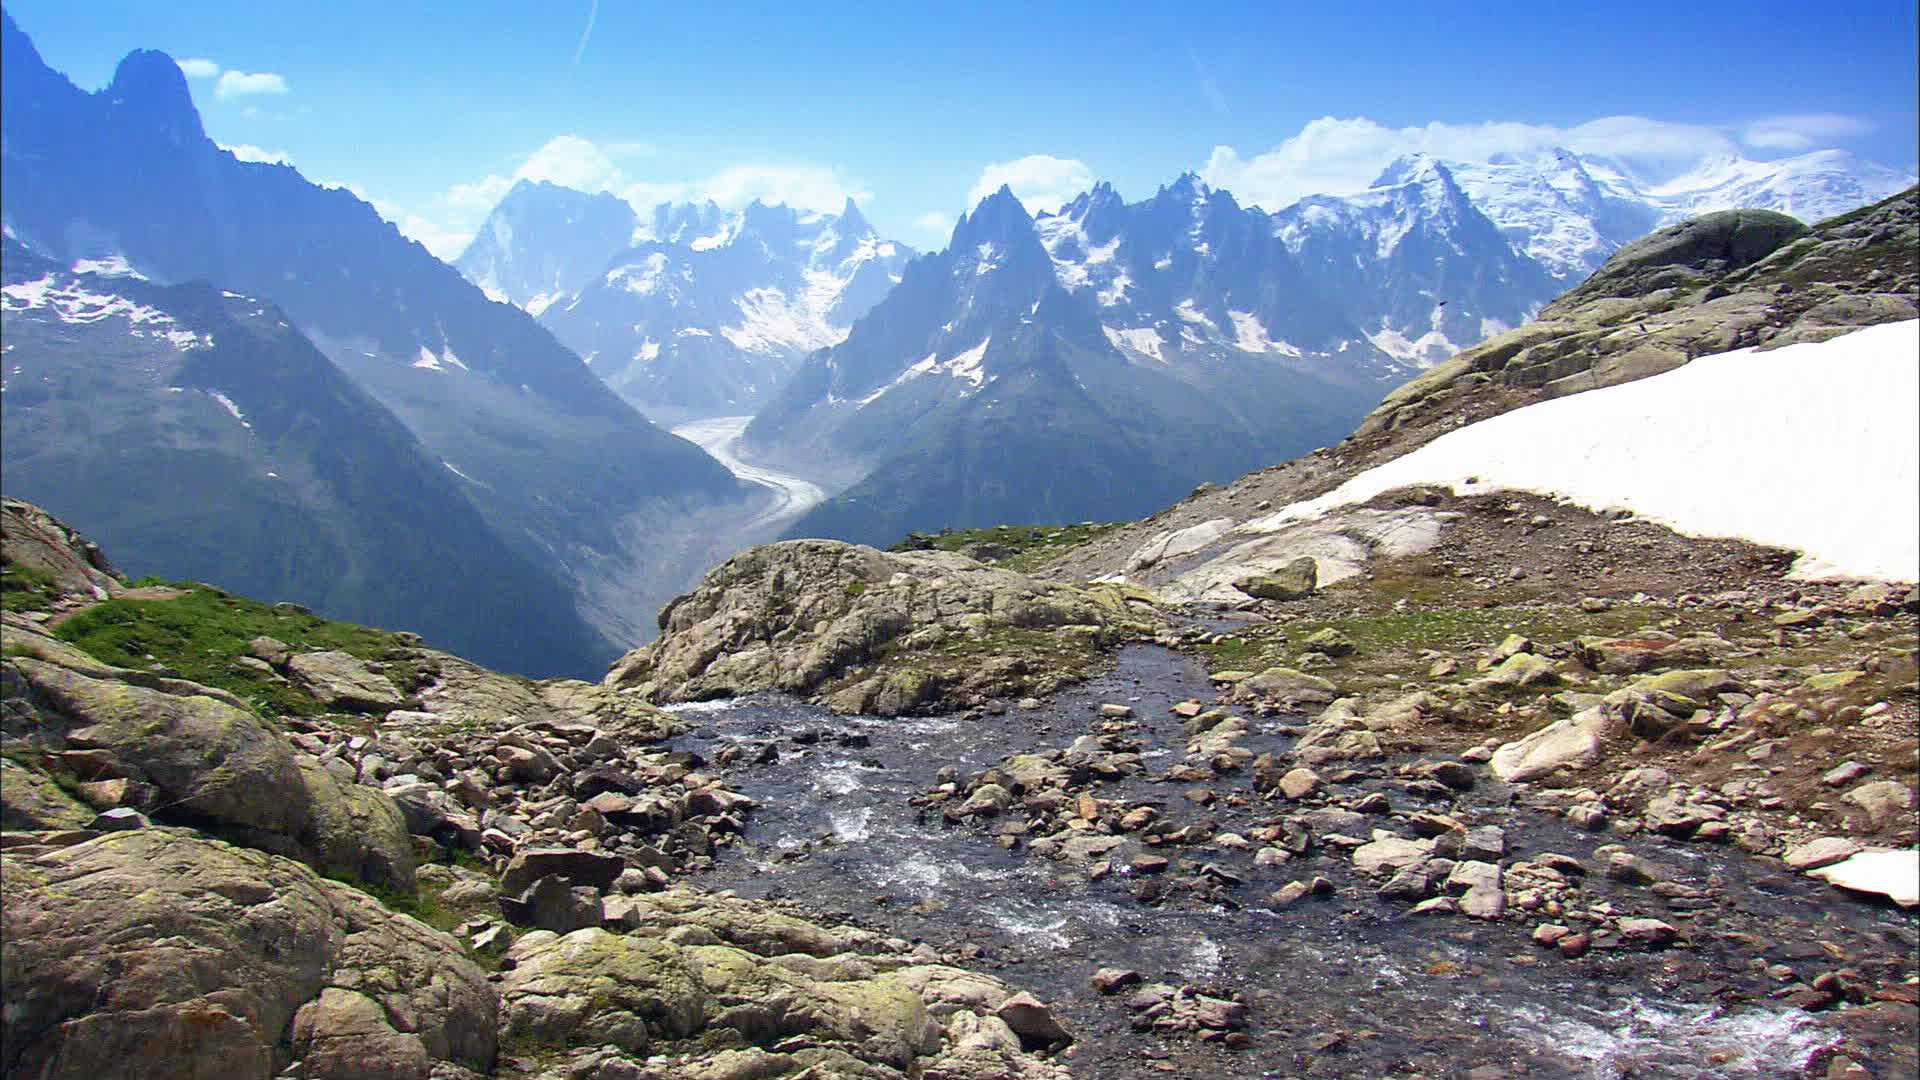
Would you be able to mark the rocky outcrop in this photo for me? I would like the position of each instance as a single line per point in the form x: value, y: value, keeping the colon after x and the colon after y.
x: 787, y: 1013
x: 1720, y: 282
x: 46, y: 555
x: 158, y: 953
x: 204, y: 759
x: 814, y: 617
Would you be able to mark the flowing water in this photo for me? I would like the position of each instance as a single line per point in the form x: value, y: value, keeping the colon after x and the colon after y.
x: 1351, y: 986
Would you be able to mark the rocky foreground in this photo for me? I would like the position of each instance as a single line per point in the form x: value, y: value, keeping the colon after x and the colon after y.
x: 397, y: 864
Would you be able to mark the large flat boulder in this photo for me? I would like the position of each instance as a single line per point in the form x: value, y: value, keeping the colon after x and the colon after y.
x: 1574, y: 742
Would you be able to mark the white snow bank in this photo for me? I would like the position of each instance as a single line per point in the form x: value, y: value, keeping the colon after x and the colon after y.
x: 1892, y: 874
x: 1812, y: 447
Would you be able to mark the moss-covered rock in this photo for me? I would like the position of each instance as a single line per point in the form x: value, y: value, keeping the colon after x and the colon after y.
x: 817, y: 617
x: 158, y: 953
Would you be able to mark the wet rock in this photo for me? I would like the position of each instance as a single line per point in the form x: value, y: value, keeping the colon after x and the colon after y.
x: 1299, y: 783
x: 988, y: 800
x: 1388, y: 853
x: 1411, y: 883
x: 1550, y: 933
x: 1032, y: 1021
x: 1115, y: 711
x: 1648, y: 932
x: 1487, y: 843
x: 1481, y: 887
x: 1630, y: 869
x: 1453, y: 774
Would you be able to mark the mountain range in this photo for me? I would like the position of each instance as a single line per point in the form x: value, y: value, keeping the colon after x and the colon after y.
x: 559, y: 467
x: 1138, y: 348
x: 692, y: 311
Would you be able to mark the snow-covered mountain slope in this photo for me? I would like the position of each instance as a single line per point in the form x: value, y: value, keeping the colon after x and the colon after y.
x: 1413, y: 260
x: 1811, y: 186
x: 690, y: 310
x: 544, y: 242
x: 1814, y: 447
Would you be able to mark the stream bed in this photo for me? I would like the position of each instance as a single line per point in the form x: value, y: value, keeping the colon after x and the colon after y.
x: 1351, y: 985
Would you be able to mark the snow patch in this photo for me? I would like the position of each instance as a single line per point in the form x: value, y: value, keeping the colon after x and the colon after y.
x: 1813, y: 447
x: 967, y: 364
x: 111, y: 266
x: 227, y: 404
x: 1144, y: 340
x: 1250, y: 334
x: 71, y: 303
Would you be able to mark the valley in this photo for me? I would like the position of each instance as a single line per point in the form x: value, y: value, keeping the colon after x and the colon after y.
x: 793, y: 495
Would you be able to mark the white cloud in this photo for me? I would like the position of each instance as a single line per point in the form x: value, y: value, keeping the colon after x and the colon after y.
x: 1803, y: 131
x: 934, y: 223
x: 198, y: 68
x: 445, y: 243
x: 448, y: 221
x: 571, y: 161
x: 1041, y: 182
x: 249, y: 152
x: 244, y: 83
x: 1339, y: 156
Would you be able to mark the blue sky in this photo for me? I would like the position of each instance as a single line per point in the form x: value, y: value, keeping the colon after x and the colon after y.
x: 431, y: 110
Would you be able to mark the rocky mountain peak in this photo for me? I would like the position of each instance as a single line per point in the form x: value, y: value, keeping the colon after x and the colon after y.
x: 149, y: 90
x: 852, y: 221
x: 999, y: 217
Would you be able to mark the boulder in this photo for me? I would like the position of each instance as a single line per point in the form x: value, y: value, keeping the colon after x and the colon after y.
x: 340, y: 680
x: 1291, y: 687
x: 1825, y: 851
x: 157, y: 953
x: 587, y: 869
x: 1574, y: 742
x: 1294, y: 581
x: 218, y: 766
x: 1387, y: 853
x: 1884, y: 801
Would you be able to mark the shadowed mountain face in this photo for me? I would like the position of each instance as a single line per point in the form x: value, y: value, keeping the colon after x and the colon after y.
x: 204, y: 432
x: 558, y: 466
